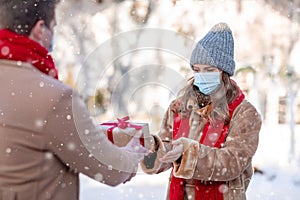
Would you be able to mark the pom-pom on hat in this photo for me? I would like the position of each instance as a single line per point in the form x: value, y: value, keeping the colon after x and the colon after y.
x: 216, y: 48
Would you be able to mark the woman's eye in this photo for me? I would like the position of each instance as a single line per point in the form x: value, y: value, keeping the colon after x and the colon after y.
x: 212, y: 70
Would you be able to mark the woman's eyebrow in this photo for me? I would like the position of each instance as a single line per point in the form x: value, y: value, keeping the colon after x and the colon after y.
x: 210, y: 68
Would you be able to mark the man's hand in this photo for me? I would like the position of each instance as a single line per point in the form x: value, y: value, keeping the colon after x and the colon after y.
x: 174, y: 154
x: 134, y: 146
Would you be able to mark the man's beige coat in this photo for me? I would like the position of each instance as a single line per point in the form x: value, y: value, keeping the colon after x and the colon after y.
x: 48, y: 138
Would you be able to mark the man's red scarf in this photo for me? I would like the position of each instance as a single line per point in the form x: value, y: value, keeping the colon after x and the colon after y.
x: 209, y: 190
x: 18, y: 47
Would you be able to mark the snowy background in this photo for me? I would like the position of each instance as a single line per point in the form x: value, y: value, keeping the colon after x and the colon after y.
x: 280, y: 179
x: 267, y: 51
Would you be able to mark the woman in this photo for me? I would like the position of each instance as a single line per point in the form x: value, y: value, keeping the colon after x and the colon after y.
x: 210, y: 132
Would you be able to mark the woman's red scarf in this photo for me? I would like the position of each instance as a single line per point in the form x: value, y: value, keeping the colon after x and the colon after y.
x: 209, y: 190
x: 18, y: 47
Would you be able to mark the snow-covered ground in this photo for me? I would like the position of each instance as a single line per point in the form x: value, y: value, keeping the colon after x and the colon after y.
x: 280, y: 179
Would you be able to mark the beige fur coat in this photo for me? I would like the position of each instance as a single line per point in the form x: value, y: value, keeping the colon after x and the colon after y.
x: 231, y: 163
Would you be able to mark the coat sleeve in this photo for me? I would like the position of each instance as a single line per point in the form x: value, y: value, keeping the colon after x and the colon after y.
x: 208, y: 163
x: 151, y: 163
x: 77, y: 142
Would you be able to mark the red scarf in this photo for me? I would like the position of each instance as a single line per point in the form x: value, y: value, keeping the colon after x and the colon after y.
x: 18, y: 47
x: 209, y: 190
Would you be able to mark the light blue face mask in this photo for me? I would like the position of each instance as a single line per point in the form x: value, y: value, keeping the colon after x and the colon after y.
x: 207, y: 82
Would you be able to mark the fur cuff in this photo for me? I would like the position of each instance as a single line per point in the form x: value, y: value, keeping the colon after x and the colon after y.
x: 185, y: 167
x: 151, y: 163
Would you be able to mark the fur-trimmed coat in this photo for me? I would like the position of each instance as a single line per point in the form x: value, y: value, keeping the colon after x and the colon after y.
x: 231, y: 163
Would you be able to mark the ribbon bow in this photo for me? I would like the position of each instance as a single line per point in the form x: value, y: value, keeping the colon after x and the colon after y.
x: 123, y: 123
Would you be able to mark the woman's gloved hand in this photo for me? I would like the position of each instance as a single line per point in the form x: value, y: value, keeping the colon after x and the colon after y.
x: 174, y: 154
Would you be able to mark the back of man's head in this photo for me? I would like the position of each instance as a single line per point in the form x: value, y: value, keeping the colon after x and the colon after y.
x: 21, y: 15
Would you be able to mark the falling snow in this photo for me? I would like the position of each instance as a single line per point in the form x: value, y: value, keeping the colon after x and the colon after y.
x: 42, y: 84
x: 39, y: 123
x: 19, y: 63
x: 48, y: 156
x: 8, y: 150
x: 86, y: 131
x: 71, y: 146
x: 4, y: 51
x: 98, y: 177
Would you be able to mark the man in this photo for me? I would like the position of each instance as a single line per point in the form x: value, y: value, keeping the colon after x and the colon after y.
x: 47, y: 136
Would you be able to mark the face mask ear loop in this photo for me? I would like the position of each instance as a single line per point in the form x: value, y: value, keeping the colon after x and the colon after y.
x: 51, y: 44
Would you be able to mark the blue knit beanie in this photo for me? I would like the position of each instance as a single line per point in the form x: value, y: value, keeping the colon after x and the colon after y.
x: 216, y: 48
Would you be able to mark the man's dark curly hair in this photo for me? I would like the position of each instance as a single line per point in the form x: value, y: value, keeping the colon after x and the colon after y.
x: 20, y: 16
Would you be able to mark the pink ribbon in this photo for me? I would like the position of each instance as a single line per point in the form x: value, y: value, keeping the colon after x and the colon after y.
x: 123, y: 124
